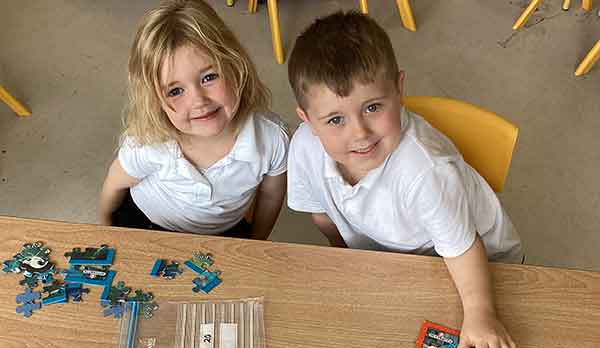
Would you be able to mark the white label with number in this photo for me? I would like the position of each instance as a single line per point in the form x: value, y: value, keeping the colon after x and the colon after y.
x: 207, y: 335
x: 228, y: 335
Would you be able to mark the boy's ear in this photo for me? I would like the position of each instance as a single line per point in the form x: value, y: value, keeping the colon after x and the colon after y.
x: 302, y: 114
x: 304, y: 117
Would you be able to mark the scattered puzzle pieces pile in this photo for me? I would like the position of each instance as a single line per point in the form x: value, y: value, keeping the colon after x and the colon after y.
x: 92, y: 266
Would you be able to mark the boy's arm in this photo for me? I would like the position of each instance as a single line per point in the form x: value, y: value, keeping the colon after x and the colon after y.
x: 268, y: 202
x: 481, y: 327
x: 113, y: 191
x: 329, y: 229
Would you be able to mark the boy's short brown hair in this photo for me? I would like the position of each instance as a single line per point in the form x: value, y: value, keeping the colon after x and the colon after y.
x: 338, y: 50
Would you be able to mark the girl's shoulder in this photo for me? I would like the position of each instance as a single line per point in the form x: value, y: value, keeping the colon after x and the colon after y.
x: 270, y: 122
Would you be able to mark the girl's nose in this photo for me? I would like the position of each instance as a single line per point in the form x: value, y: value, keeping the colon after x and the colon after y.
x: 199, y: 93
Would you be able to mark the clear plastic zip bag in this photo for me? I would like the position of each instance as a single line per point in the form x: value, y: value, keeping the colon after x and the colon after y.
x: 204, y: 324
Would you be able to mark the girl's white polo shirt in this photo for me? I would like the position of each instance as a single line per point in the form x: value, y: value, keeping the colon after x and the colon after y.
x: 176, y: 195
x: 424, y: 199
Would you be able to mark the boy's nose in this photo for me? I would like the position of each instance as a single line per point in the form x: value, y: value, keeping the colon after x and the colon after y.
x: 360, y: 129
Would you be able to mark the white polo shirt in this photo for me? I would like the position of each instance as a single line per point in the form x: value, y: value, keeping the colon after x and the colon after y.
x: 176, y: 195
x: 424, y: 199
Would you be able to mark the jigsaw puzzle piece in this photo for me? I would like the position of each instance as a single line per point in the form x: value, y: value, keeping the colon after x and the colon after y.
x: 28, y: 296
x: 28, y: 308
x: 115, y: 310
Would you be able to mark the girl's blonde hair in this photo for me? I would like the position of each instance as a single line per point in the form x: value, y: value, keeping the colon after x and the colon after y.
x: 174, y: 24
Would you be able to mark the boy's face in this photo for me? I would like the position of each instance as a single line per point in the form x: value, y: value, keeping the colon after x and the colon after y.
x: 202, y: 105
x: 358, y: 131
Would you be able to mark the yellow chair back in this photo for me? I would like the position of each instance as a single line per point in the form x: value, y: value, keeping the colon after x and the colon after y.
x: 485, y: 139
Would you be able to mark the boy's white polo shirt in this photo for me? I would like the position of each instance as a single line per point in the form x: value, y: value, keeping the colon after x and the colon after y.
x: 424, y: 199
x: 174, y: 194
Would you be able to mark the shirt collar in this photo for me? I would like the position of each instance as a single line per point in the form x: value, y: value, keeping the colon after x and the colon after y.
x: 245, y: 147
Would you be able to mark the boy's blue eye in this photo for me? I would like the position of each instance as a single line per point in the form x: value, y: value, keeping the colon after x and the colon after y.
x: 210, y: 77
x: 175, y: 92
x: 373, y: 107
x: 335, y: 120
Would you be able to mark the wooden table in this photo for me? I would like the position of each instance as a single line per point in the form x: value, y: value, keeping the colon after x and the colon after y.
x: 314, y: 296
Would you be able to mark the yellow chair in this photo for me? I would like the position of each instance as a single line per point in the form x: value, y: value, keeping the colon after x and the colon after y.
x: 403, y: 6
x: 586, y: 5
x: 590, y: 59
x: 274, y: 22
x: 13, y: 103
x: 485, y: 139
x: 406, y: 14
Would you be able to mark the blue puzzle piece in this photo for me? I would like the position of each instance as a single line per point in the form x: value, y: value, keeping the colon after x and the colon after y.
x: 114, y: 310
x: 99, y: 282
x: 28, y: 308
x: 159, y: 265
x: 191, y: 265
x: 71, y: 273
x: 28, y: 296
x: 59, y: 297
x: 91, y: 256
x: 75, y: 292
x: 206, y: 284
x: 110, y: 255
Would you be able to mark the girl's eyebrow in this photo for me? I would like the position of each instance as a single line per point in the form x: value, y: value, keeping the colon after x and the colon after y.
x: 200, y: 72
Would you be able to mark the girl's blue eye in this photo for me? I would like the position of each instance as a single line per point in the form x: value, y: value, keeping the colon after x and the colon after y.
x: 175, y: 92
x: 335, y: 120
x: 210, y: 77
x: 373, y: 107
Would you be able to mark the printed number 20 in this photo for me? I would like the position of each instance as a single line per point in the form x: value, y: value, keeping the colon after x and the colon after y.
x: 207, y: 338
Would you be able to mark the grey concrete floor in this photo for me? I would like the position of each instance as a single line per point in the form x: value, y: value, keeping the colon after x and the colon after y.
x: 66, y: 60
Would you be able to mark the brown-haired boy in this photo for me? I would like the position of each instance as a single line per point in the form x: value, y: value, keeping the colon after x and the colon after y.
x: 375, y: 176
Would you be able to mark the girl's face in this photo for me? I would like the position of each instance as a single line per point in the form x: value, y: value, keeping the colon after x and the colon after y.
x: 201, y: 105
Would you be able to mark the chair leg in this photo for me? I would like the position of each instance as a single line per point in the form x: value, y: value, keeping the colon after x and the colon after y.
x: 252, y: 6
x: 533, y: 5
x: 275, y: 33
x: 586, y: 5
x: 588, y: 62
x: 364, y: 8
x: 13, y: 103
x: 230, y: 3
x: 566, y: 4
x: 406, y: 14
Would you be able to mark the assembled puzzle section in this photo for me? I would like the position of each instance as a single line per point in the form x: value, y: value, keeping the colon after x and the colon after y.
x: 33, y: 262
x: 212, y: 323
x: 207, y: 280
x: 90, y: 266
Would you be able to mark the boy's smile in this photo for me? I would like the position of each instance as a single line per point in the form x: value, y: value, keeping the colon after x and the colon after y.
x: 360, y: 130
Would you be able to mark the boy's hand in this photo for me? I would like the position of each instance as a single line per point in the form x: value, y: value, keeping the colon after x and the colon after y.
x: 484, y: 330
x: 481, y: 328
